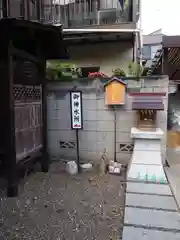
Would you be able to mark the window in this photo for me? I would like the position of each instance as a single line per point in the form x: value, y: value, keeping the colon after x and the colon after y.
x: 146, y: 52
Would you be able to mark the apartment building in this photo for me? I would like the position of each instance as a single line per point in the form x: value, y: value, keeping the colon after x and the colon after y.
x: 99, y: 33
x: 151, y: 44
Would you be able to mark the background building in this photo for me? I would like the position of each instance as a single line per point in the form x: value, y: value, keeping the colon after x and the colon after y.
x: 151, y: 44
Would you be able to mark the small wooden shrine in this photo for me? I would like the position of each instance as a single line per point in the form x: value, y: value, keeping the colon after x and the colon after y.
x: 24, y: 48
x: 146, y: 106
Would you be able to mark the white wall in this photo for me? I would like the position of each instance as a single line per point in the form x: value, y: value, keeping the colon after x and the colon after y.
x: 105, y: 55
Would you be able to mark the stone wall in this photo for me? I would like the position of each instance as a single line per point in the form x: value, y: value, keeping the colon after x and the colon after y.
x: 97, y: 135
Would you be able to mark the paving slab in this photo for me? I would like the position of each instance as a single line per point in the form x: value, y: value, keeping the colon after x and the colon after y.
x: 151, y: 201
x: 144, y: 157
x: 148, y: 188
x: 131, y: 233
x: 146, y: 173
x: 152, y: 218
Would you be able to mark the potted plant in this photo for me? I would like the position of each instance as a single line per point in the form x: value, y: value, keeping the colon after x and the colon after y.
x: 53, y: 72
x: 135, y: 69
x: 145, y: 71
x: 57, y: 70
x: 118, y: 72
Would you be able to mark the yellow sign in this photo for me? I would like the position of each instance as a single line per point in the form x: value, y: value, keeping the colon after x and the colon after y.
x: 115, y: 91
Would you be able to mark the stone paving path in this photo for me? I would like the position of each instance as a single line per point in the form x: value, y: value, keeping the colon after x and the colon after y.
x: 151, y: 210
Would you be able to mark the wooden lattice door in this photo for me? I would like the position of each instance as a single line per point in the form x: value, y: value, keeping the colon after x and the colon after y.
x: 28, y: 108
x: 28, y: 120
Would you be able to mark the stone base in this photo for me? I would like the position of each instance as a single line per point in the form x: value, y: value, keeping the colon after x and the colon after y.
x: 146, y: 162
x: 154, y: 134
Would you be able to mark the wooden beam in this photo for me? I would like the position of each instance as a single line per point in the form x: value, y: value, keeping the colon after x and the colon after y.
x: 171, y: 41
x: 165, y: 62
x: 10, y: 153
x: 85, y: 42
x: 45, y: 161
x: 147, y: 94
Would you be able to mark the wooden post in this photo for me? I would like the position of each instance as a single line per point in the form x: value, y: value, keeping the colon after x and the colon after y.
x: 38, y: 10
x: 45, y: 161
x: 22, y: 9
x: 10, y: 153
x: 27, y: 10
x: 165, y: 70
x: 5, y: 8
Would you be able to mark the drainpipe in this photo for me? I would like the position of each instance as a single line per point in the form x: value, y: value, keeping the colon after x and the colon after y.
x: 133, y: 44
x: 139, y: 46
x: 139, y: 34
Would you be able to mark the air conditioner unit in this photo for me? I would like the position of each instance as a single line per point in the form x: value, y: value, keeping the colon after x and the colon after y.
x: 110, y: 14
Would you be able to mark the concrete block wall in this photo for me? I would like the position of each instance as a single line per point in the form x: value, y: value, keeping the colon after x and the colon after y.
x: 97, y: 135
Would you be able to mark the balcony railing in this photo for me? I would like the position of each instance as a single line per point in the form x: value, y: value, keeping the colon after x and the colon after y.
x: 75, y: 13
x: 70, y: 13
x: 21, y: 9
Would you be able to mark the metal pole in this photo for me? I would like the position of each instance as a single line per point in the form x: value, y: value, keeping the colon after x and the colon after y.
x: 115, y: 122
x: 77, y: 150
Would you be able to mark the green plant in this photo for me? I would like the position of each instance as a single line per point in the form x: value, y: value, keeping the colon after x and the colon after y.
x: 145, y: 71
x: 135, y: 69
x: 119, y: 72
x: 57, y: 70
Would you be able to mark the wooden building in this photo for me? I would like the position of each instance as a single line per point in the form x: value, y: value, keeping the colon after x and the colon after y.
x: 24, y: 48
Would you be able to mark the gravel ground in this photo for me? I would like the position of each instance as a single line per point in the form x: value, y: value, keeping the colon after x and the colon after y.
x: 58, y: 206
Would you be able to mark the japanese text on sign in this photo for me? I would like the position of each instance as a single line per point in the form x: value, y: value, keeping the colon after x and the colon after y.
x: 76, y: 110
